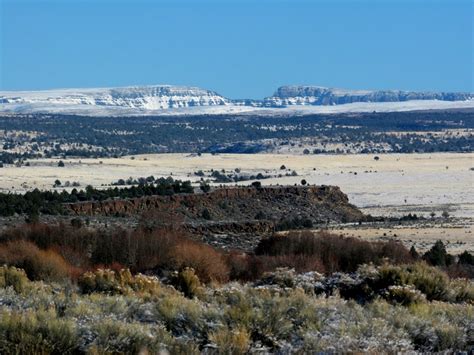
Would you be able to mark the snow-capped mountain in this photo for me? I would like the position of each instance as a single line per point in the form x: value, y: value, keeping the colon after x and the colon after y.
x: 167, y: 99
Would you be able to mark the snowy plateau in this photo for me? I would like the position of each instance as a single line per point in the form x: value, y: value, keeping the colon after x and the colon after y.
x: 182, y: 100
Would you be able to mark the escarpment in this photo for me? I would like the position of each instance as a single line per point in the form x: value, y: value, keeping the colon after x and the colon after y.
x: 320, y: 204
x: 232, y: 217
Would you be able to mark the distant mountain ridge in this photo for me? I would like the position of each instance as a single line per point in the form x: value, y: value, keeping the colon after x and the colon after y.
x: 317, y: 95
x: 151, y: 97
x: 156, y: 98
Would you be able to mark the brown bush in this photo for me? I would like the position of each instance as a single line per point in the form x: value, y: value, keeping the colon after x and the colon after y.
x: 168, y: 247
x: 239, y: 266
x: 140, y: 249
x: 38, y: 264
x: 71, y: 243
x: 329, y: 253
x: 208, y: 263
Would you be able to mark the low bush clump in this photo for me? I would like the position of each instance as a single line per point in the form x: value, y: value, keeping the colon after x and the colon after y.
x: 117, y: 282
x: 37, y: 333
x: 410, y: 283
x: 187, y: 282
x: 400, y: 284
x: 112, y: 337
x: 432, y: 282
x: 208, y: 264
x: 11, y: 276
x: 231, y: 341
x: 404, y: 295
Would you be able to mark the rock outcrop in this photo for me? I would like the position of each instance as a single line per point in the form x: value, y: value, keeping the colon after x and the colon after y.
x: 234, y: 217
x: 153, y: 97
x: 321, y: 204
x: 318, y: 95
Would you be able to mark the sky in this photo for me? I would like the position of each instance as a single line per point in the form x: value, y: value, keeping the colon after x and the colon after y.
x: 241, y: 49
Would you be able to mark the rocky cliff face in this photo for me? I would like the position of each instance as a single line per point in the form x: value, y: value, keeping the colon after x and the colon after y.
x: 157, y: 99
x: 317, y: 95
x: 139, y: 97
x: 321, y: 204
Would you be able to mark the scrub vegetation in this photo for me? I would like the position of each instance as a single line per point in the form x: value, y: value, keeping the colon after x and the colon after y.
x: 66, y: 289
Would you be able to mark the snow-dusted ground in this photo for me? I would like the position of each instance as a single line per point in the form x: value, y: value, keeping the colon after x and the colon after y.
x: 396, y: 184
x: 95, y: 110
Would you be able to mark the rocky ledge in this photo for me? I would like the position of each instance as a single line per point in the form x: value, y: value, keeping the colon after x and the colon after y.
x: 319, y: 204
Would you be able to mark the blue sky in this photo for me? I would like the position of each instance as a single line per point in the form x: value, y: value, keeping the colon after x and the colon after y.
x: 237, y: 48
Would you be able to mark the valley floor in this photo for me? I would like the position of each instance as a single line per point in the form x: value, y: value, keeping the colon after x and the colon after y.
x: 394, y: 185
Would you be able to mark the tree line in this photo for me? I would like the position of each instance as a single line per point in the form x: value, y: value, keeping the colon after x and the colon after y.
x: 36, y: 202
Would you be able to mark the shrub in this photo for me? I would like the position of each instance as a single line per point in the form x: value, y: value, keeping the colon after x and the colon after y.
x: 404, y: 295
x: 282, y: 277
x: 38, y: 264
x: 334, y: 253
x: 182, y: 316
x: 139, y: 250
x: 239, y: 266
x: 113, y: 337
x: 257, y: 184
x: 260, y: 215
x: 208, y: 263
x: 461, y: 290
x: 37, y: 333
x: 48, y: 265
x: 187, y: 282
x: 431, y: 281
x: 414, y: 253
x: 100, y: 281
x: 228, y: 341
x: 117, y: 282
x: 11, y: 276
x: 438, y: 326
x: 294, y: 223
x: 205, y: 187
x: 76, y: 223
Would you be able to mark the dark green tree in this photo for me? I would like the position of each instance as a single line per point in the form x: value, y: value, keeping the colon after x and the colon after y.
x: 438, y: 256
x: 466, y: 258
x: 414, y: 253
